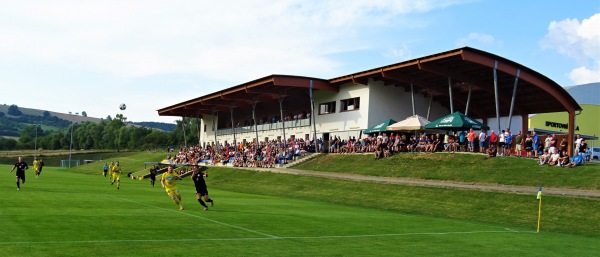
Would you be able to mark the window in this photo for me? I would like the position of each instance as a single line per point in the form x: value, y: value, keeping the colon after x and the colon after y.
x: 350, y: 104
x: 326, y: 108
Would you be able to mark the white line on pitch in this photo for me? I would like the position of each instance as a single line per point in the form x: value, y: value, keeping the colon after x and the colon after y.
x: 200, y: 217
x: 262, y: 238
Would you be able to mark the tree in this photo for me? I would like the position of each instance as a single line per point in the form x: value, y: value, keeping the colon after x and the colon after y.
x: 2, y: 114
x: 47, y: 114
x: 14, y: 110
x: 84, y: 114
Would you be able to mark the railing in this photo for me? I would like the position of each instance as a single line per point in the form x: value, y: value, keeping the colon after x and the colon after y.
x: 265, y: 127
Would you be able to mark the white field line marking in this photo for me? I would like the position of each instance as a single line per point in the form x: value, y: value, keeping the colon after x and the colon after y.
x: 200, y: 217
x: 262, y: 238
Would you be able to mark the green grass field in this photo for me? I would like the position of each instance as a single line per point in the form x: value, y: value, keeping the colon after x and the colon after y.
x: 77, y: 212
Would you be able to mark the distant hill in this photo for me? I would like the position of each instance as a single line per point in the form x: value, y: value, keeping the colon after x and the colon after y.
x: 10, y: 125
x: 157, y: 125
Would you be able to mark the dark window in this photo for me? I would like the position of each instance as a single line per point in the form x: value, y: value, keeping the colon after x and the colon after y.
x: 351, y: 104
x: 326, y: 108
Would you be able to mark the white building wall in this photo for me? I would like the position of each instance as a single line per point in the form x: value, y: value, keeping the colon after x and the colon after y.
x: 395, y: 102
x: 515, y: 125
x: 347, y: 123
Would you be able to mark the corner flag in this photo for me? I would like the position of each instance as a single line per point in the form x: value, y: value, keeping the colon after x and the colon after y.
x: 539, y: 197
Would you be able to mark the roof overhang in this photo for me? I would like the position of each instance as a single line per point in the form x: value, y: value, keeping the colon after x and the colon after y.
x: 264, y: 89
x: 464, y: 69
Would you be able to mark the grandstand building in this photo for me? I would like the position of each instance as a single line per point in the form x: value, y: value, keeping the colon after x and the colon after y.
x: 494, y: 90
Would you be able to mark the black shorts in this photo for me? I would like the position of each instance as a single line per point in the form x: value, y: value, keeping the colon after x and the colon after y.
x: 21, y: 175
x: 202, y: 191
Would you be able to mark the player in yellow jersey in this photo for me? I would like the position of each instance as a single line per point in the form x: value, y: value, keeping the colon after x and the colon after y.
x: 36, y: 167
x: 110, y: 171
x: 168, y: 183
x: 116, y: 175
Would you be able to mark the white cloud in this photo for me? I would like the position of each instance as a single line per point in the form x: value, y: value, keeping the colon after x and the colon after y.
x: 579, y: 41
x: 475, y: 39
x: 140, y: 38
x: 122, y: 44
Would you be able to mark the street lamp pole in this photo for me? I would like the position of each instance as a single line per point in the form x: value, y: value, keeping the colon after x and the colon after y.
x: 71, y: 142
x: 35, y: 143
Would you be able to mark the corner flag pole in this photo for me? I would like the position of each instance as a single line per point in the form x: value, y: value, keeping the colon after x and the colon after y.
x: 539, y: 197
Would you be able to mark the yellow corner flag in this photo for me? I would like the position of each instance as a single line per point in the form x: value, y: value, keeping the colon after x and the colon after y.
x: 539, y: 197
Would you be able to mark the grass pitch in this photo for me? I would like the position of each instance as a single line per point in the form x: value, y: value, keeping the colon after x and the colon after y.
x: 77, y: 212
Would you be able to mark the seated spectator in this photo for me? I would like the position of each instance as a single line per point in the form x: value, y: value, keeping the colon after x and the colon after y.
x: 544, y: 158
x: 554, y: 157
x: 491, y: 152
x: 576, y: 161
x: 564, y: 159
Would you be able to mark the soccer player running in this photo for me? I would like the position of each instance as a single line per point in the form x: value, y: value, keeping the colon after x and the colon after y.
x: 153, y: 172
x: 168, y: 183
x: 39, y: 170
x: 116, y: 175
x: 36, y: 167
x: 21, y: 166
x: 201, y: 189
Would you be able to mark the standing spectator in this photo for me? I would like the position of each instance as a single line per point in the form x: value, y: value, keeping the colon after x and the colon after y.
x: 482, y: 140
x: 563, y: 145
x: 501, y: 142
x: 508, y: 143
x: 462, y: 140
x: 529, y: 146
x: 471, y: 138
x: 536, y: 144
x: 21, y: 166
x: 583, y: 147
x: 518, y: 143
x: 105, y: 170
x: 577, y: 143
x: 493, y: 139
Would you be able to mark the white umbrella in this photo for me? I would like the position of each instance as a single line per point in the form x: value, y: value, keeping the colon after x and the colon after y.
x: 411, y: 123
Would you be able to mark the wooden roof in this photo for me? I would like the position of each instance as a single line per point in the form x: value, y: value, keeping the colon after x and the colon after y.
x: 466, y: 67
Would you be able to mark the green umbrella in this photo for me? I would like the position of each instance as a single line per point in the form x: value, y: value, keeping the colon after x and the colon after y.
x: 381, y: 127
x: 456, y: 121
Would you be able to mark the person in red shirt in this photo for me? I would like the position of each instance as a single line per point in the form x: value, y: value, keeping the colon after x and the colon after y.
x: 493, y: 139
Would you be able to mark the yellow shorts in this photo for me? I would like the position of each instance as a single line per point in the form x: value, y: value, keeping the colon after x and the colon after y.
x: 173, y: 191
x: 116, y: 176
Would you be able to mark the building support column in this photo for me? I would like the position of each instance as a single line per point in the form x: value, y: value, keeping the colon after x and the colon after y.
x: 254, y: 103
x: 496, y: 94
x: 412, y: 96
x: 430, y: 100
x: 514, y: 96
x: 571, y: 133
x: 450, y: 93
x: 312, y: 115
x: 183, y: 128
x: 232, y: 125
x: 284, y: 139
x: 468, y: 100
x: 214, y: 126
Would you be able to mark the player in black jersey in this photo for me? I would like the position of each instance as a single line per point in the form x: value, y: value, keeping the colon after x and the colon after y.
x: 21, y: 166
x: 201, y: 189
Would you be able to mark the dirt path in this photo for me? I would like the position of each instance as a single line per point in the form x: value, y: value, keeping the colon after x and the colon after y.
x: 441, y: 184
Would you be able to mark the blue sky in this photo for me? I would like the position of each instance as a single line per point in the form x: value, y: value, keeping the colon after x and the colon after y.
x: 74, y: 56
